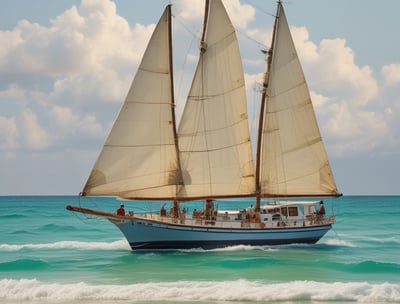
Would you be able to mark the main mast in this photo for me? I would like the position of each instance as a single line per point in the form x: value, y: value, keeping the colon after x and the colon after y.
x: 203, y: 45
x: 180, y: 178
x: 214, y: 137
x: 171, y: 68
x: 262, y: 109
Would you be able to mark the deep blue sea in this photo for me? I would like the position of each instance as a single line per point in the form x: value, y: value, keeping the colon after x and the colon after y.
x: 50, y: 255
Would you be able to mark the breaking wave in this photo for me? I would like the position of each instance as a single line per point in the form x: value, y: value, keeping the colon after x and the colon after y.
x: 239, y: 290
x: 120, y: 244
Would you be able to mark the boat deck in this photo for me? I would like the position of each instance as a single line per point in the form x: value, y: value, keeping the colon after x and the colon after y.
x: 222, y: 222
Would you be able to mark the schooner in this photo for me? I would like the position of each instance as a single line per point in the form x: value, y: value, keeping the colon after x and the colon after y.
x: 147, y: 156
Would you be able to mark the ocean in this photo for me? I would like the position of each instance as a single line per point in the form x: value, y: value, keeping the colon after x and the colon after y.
x: 51, y: 255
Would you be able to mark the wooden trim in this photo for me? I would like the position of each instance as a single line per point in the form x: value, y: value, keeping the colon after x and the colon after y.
x: 97, y: 213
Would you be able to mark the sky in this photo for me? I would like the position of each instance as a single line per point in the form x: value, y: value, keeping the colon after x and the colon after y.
x: 66, y: 67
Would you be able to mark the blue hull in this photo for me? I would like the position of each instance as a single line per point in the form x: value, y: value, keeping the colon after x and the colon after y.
x: 151, y: 235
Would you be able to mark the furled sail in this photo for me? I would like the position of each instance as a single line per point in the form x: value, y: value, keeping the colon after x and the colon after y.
x: 139, y: 158
x: 293, y: 160
x: 214, y: 138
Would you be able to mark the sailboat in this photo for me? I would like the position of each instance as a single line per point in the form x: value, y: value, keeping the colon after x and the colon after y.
x: 208, y: 157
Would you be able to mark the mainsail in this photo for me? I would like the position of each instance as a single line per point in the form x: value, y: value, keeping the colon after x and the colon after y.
x: 139, y: 158
x: 292, y: 158
x: 214, y: 137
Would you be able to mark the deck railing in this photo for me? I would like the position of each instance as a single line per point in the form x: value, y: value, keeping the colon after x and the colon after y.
x: 220, y: 222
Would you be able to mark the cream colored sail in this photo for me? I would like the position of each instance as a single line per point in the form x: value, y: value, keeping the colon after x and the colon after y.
x: 293, y: 160
x: 139, y: 158
x: 214, y: 140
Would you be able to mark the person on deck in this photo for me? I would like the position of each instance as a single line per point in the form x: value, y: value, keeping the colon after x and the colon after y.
x: 163, y: 212
x: 195, y: 214
x: 121, y: 210
x: 321, y: 210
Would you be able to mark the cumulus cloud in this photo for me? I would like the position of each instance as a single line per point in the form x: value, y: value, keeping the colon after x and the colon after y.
x: 330, y: 65
x: 391, y: 74
x: 347, y: 97
x: 90, y: 40
x: 190, y: 10
x: 13, y: 93
x: 239, y: 13
x: 8, y: 134
x: 356, y: 113
x: 71, y: 74
x: 61, y: 84
x: 35, y: 136
x: 66, y: 122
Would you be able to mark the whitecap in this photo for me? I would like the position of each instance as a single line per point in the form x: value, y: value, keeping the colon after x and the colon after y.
x: 120, y: 244
x: 232, y: 249
x: 337, y: 242
x: 238, y: 290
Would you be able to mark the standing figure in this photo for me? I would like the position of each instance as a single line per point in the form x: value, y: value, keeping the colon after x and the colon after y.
x: 121, y: 210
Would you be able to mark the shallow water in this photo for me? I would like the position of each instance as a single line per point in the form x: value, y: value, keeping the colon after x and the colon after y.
x: 50, y: 255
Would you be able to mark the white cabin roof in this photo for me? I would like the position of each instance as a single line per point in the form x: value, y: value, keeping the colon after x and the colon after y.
x: 289, y: 204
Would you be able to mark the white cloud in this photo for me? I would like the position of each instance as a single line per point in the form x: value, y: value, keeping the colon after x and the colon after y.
x: 64, y: 117
x: 74, y: 72
x: 240, y: 14
x: 36, y: 137
x: 347, y: 98
x: 391, y: 74
x: 66, y: 122
x: 190, y: 10
x: 331, y: 67
x: 61, y: 84
x: 319, y: 101
x: 355, y: 126
x: 91, y: 41
x: 308, y: 50
x: 14, y: 93
x: 10, y: 40
x: 8, y: 134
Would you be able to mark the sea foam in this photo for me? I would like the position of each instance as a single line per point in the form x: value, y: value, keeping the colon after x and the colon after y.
x: 233, y: 248
x: 120, y: 244
x: 337, y: 242
x: 239, y: 290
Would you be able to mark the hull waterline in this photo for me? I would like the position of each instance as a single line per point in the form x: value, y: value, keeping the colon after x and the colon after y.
x: 147, y: 235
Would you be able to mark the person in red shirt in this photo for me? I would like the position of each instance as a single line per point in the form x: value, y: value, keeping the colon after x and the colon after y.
x: 121, y: 210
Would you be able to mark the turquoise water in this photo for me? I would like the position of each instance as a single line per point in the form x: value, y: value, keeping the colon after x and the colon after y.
x: 50, y: 255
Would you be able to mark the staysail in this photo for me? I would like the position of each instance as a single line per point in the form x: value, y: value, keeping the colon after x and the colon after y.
x: 139, y: 158
x: 214, y: 137
x: 292, y: 158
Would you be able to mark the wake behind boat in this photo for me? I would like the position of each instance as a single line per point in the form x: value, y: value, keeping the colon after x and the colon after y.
x: 210, y: 156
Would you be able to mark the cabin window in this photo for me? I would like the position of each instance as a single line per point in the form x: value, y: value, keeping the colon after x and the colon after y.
x: 275, y: 210
x: 293, y: 211
x: 276, y: 217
